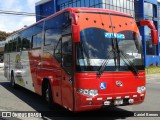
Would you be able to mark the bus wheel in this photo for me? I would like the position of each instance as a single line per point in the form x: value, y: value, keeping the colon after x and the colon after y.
x: 13, y: 81
x: 48, y: 95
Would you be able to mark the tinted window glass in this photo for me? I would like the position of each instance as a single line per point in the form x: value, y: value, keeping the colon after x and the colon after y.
x: 52, y: 36
x: 57, y: 26
x: 58, y: 51
x: 6, y: 47
x: 10, y: 46
x: 26, y: 43
x: 19, y: 44
x: 67, y: 53
x: 14, y: 45
x: 37, y: 39
x: 97, y: 45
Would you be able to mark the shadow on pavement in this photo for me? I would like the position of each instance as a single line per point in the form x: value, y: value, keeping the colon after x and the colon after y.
x: 38, y: 104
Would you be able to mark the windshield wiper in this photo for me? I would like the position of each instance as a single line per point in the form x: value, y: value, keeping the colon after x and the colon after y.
x: 134, y: 69
x: 105, y: 62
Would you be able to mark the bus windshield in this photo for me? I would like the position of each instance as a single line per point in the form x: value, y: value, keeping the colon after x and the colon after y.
x: 97, y: 45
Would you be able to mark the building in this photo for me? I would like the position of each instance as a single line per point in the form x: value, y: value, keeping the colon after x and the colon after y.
x: 2, y: 44
x: 139, y: 9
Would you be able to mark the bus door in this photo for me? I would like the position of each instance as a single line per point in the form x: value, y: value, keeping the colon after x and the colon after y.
x: 7, y: 67
x: 56, y: 88
x: 67, y: 68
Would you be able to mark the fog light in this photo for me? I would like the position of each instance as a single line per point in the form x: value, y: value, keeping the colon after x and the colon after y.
x: 107, y: 102
x: 131, y: 101
x: 90, y: 103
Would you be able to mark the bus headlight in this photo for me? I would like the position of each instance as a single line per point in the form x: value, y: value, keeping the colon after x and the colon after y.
x: 88, y: 92
x: 141, y: 89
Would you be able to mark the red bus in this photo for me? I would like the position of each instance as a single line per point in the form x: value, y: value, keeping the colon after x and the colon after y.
x: 80, y: 58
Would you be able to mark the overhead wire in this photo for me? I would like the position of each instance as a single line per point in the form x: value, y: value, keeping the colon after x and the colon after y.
x: 20, y: 13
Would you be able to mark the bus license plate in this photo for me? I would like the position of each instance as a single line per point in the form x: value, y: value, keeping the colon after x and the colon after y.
x: 118, y: 102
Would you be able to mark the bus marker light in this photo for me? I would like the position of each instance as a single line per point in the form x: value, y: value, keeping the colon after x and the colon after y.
x: 109, y: 98
x: 126, y: 96
x: 99, y: 98
x: 119, y: 97
x: 134, y: 95
x: 142, y: 94
x: 88, y: 99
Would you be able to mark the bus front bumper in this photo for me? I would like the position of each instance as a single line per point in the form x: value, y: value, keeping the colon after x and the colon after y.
x: 83, y: 103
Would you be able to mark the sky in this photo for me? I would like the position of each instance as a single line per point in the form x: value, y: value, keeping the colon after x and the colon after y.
x: 10, y: 23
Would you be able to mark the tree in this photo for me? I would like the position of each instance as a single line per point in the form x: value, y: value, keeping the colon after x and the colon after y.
x: 3, y: 35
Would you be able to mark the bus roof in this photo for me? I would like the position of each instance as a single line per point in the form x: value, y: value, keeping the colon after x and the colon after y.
x: 100, y: 10
x: 90, y: 10
x: 76, y: 10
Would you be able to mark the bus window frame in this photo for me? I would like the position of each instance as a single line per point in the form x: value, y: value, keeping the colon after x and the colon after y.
x: 34, y: 48
x: 65, y: 35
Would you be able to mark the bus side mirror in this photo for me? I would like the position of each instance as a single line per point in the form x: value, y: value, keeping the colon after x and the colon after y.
x: 154, y: 35
x: 75, y: 33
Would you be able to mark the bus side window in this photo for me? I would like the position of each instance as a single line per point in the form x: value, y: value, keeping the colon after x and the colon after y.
x: 10, y: 46
x: 19, y: 44
x: 39, y: 40
x: 26, y: 43
x: 14, y: 45
x: 57, y: 51
x: 36, y: 40
x: 6, y: 47
x: 52, y: 36
x: 67, y: 54
x: 37, y: 35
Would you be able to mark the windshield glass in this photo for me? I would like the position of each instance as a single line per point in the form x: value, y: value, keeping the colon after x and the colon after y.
x: 97, y: 44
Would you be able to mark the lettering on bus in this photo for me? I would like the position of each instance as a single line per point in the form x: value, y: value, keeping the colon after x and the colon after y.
x: 115, y: 35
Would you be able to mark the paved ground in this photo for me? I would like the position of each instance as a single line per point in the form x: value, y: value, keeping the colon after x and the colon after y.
x: 24, y: 100
x: 153, y: 77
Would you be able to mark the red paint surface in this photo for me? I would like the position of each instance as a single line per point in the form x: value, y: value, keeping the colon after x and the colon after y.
x: 46, y: 66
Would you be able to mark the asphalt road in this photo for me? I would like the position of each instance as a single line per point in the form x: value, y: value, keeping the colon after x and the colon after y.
x: 23, y: 100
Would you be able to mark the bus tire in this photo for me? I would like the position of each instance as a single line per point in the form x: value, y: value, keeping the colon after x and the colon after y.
x: 13, y: 84
x: 48, y: 95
